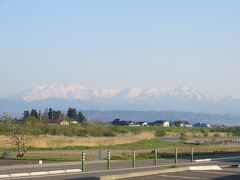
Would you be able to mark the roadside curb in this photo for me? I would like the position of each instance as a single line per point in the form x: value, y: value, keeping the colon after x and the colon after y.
x: 67, y: 171
x: 162, y: 171
x: 144, y: 173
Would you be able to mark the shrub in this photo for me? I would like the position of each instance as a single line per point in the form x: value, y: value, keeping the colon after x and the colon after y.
x: 183, y: 136
x: 205, y: 134
x: 160, y: 133
x: 216, y: 135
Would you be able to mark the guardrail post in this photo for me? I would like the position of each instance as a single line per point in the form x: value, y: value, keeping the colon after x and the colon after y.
x: 155, y: 157
x: 83, y: 161
x: 133, y: 158
x: 176, y: 155
x: 108, y: 159
x: 192, y: 154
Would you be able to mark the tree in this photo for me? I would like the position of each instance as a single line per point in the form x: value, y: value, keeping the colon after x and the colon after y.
x: 56, y: 114
x: 72, y: 113
x: 25, y: 114
x: 34, y: 113
x: 19, y: 134
x: 6, y: 118
x: 81, y: 117
x: 50, y: 113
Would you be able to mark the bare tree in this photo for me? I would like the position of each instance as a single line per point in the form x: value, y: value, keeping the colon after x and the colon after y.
x: 19, y: 134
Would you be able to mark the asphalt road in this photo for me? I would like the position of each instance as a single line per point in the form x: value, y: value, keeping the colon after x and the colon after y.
x: 226, y: 174
x: 98, y: 168
x: 90, y: 166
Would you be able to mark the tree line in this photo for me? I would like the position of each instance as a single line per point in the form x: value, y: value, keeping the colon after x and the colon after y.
x: 51, y: 114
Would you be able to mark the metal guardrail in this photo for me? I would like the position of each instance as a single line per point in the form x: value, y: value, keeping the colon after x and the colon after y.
x: 134, y: 159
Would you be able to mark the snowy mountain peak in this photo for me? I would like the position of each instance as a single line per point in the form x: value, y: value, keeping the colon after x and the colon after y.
x: 153, y: 99
x: 62, y: 91
x: 78, y: 92
x: 134, y: 92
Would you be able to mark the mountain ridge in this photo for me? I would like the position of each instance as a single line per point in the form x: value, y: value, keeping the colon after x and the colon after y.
x: 63, y: 96
x: 76, y: 91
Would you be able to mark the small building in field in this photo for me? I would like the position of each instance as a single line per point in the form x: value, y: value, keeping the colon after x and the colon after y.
x: 128, y: 123
x: 163, y: 123
x: 133, y: 124
x: 64, y: 123
x: 188, y: 125
x: 73, y: 122
x: 202, y: 125
x: 142, y: 123
x: 120, y: 122
x: 182, y: 123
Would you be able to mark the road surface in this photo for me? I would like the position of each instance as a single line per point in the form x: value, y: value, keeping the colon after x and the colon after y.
x: 98, y: 168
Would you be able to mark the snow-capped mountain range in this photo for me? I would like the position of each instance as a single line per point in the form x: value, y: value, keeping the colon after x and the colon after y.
x: 74, y: 95
x: 77, y: 92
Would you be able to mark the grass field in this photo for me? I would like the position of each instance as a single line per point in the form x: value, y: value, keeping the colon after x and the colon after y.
x: 48, y: 141
x: 121, y: 140
x: 143, y: 148
x: 142, y: 140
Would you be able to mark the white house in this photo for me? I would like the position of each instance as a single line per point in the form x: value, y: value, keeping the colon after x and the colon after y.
x: 133, y: 124
x: 163, y: 123
x: 73, y: 122
x: 144, y: 124
x: 166, y: 124
x: 64, y: 123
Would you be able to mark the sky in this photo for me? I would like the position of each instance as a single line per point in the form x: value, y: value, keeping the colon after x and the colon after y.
x: 121, y: 43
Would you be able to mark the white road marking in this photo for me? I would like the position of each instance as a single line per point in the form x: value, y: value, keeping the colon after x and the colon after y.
x: 203, y: 160
x: 19, y: 175
x: 4, y: 176
x: 38, y: 173
x: 214, y: 172
x: 204, y: 168
x: 73, y: 170
x: 181, y: 177
x: 215, y: 159
x: 57, y: 172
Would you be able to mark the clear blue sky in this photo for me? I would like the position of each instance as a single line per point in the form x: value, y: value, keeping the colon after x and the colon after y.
x: 124, y: 43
